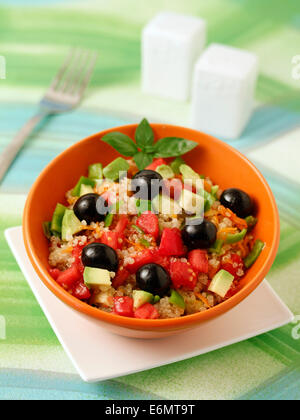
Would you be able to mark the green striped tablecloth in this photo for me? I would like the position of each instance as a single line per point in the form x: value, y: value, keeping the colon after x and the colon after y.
x: 34, y: 41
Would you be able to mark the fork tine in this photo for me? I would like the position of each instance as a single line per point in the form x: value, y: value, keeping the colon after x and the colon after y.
x: 78, y: 70
x: 88, y: 74
x: 62, y: 69
x: 71, y: 71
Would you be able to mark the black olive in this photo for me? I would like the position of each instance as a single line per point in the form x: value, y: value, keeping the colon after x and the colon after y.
x: 91, y: 208
x: 100, y: 256
x: 237, y: 201
x: 146, y: 184
x: 153, y: 278
x: 199, y: 235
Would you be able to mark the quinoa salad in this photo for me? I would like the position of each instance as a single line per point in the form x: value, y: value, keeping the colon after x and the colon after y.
x: 147, y: 236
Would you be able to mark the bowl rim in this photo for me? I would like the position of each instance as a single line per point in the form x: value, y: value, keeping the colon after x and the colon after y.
x: 141, y: 324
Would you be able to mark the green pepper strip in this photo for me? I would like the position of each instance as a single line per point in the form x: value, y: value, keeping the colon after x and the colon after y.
x: 254, y: 254
x: 96, y: 171
x: 109, y: 219
x: 144, y: 242
x: 209, y: 201
x: 156, y: 299
x: 237, y: 237
x: 143, y: 206
x: 217, y: 247
x: 251, y: 222
x: 138, y: 229
x: 47, y: 229
x: 48, y: 232
x: 83, y: 180
x: 116, y: 207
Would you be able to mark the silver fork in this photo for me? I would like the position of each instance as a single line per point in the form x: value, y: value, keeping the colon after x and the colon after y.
x: 64, y: 94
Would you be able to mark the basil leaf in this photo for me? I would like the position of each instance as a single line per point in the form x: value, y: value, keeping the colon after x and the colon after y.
x: 173, y: 147
x: 144, y: 134
x: 149, y: 149
x: 122, y: 143
x: 143, y: 160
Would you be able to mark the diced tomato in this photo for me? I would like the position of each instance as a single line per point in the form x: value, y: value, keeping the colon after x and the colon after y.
x: 115, y: 238
x: 212, y: 270
x: 143, y: 258
x: 146, y: 311
x: 148, y: 222
x: 54, y: 273
x: 112, y: 239
x: 232, y: 291
x: 76, y: 253
x: 81, y: 291
x: 120, y: 278
x: 122, y: 224
x: 183, y: 275
x: 171, y: 243
x: 123, y: 306
x: 160, y: 260
x: 234, y: 265
x: 69, y: 277
x: 156, y: 163
x: 199, y: 260
x: 172, y: 188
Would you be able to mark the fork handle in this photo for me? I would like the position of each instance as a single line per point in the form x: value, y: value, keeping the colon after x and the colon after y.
x: 10, y: 152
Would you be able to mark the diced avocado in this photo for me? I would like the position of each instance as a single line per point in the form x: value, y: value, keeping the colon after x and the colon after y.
x: 191, y: 203
x: 140, y: 297
x: 70, y: 225
x: 177, y: 299
x: 96, y: 171
x: 166, y: 205
x: 165, y: 171
x: 175, y: 165
x: 189, y: 175
x: 221, y: 283
x: 57, y: 218
x: 96, y: 277
x: 86, y: 189
x: 112, y: 170
x: 82, y: 180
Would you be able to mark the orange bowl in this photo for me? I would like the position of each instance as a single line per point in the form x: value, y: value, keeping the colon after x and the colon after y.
x: 226, y: 167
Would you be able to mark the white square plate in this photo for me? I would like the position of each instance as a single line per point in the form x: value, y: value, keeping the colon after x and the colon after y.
x: 99, y: 355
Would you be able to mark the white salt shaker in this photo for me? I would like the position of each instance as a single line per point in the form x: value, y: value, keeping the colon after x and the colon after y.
x: 223, y: 90
x: 171, y: 45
